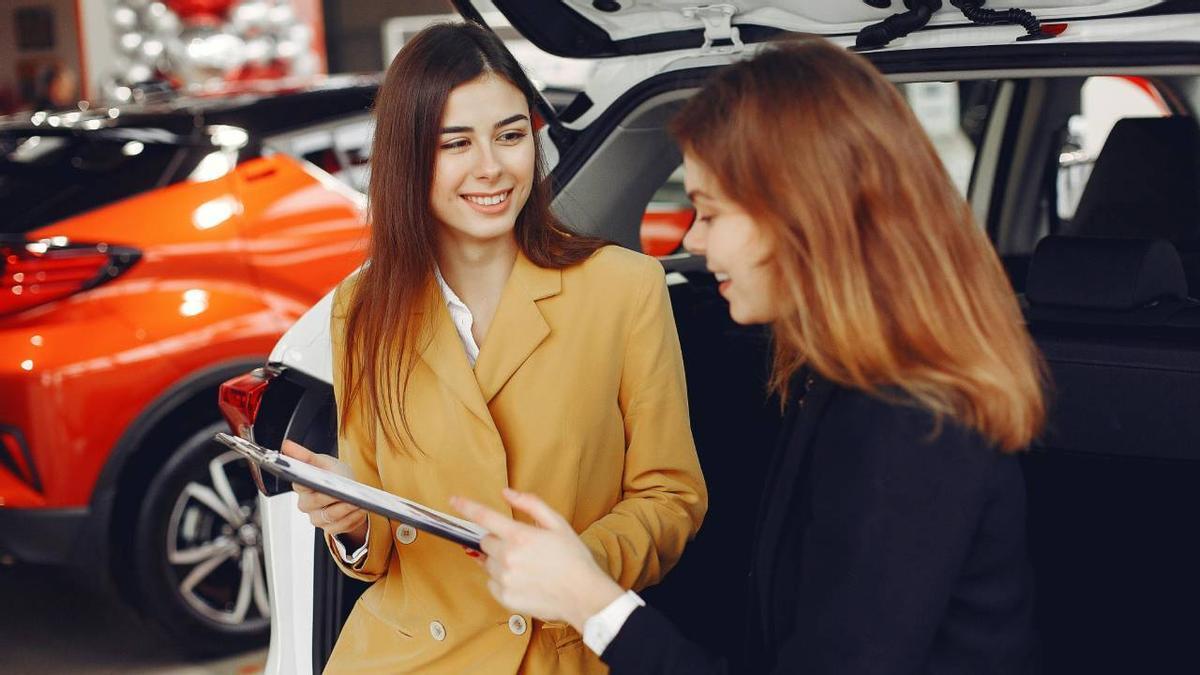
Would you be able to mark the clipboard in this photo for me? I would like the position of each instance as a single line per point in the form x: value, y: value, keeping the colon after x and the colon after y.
x: 351, y: 491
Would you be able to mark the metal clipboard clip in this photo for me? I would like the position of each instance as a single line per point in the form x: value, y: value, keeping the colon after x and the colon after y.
x: 254, y: 454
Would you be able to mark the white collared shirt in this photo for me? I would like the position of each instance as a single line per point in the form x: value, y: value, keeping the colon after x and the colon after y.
x: 463, y: 320
x: 461, y: 315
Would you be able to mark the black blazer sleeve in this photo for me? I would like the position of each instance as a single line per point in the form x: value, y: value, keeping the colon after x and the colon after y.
x: 650, y: 643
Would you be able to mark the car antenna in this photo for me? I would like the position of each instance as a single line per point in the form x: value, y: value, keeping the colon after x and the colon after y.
x: 920, y: 11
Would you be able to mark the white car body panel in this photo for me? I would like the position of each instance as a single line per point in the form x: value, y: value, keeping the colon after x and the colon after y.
x: 288, y: 540
x: 288, y: 533
x: 306, y: 346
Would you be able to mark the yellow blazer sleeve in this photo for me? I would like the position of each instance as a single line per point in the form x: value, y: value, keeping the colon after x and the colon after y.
x: 663, y: 494
x: 356, y: 449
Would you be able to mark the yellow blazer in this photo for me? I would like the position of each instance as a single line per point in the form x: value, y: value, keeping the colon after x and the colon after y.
x: 578, y: 395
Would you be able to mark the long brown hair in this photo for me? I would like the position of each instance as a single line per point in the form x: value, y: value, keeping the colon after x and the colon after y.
x: 390, y: 308
x: 886, y: 280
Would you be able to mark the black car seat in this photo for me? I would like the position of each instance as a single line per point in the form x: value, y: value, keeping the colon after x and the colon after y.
x: 1146, y: 183
x: 1112, y: 483
x: 1107, y: 281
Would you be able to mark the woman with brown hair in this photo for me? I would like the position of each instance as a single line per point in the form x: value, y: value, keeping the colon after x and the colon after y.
x: 483, y: 346
x: 891, y: 536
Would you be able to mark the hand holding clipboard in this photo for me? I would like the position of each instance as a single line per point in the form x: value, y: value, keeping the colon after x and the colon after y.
x: 351, y: 491
x: 329, y: 513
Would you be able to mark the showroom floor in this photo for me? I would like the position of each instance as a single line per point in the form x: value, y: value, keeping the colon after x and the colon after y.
x: 50, y: 624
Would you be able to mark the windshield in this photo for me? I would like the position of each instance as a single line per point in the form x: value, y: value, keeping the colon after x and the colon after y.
x: 47, y: 176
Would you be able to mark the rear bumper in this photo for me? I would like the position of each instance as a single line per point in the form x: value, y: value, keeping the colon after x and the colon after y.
x: 43, y: 536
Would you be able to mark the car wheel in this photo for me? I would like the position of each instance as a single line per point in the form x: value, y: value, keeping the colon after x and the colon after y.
x: 199, y: 550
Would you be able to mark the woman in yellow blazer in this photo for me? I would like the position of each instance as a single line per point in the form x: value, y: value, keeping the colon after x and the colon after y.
x: 485, y: 347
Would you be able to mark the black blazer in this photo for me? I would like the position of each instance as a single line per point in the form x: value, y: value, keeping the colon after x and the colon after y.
x: 885, y: 545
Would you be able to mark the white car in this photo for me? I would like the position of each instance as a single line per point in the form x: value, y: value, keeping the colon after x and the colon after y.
x: 1081, y: 137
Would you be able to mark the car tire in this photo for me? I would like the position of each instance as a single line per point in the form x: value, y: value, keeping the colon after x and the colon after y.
x: 200, y: 571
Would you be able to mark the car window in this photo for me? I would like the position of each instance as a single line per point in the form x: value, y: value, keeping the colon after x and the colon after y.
x: 46, y: 177
x: 341, y: 149
x: 953, y: 114
x: 1051, y: 136
x: 1103, y: 101
x: 667, y: 217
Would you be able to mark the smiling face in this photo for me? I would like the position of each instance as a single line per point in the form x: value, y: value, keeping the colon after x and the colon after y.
x: 485, y: 160
x: 737, y: 248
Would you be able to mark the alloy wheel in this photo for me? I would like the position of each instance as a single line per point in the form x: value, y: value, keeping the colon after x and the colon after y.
x: 215, y: 546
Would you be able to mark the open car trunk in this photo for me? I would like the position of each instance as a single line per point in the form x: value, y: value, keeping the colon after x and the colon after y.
x: 604, y: 28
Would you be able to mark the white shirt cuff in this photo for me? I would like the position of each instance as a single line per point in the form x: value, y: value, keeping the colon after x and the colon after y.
x: 603, y: 626
x: 352, y: 558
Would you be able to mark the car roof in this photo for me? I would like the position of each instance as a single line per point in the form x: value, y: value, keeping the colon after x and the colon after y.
x: 261, y: 109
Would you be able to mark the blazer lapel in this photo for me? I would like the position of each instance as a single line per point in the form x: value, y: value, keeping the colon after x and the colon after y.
x: 781, y: 493
x: 518, y: 327
x: 444, y: 354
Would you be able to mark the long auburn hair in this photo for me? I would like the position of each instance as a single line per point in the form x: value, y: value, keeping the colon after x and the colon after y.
x: 886, y: 280
x: 393, y: 299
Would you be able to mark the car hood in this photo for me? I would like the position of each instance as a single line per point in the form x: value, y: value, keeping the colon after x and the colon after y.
x: 604, y: 28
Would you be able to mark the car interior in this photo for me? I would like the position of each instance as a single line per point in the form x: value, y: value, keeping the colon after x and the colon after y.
x: 1094, y: 210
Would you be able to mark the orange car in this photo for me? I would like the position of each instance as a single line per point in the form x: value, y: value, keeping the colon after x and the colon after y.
x: 147, y: 254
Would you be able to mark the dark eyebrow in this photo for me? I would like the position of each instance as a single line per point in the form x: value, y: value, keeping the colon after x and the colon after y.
x: 504, y: 122
x: 509, y: 120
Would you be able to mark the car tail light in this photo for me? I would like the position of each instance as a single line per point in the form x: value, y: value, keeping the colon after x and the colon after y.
x: 240, y: 397
x: 33, y: 273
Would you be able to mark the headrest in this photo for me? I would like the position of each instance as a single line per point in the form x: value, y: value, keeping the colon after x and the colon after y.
x: 1104, y: 273
x: 1146, y: 182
